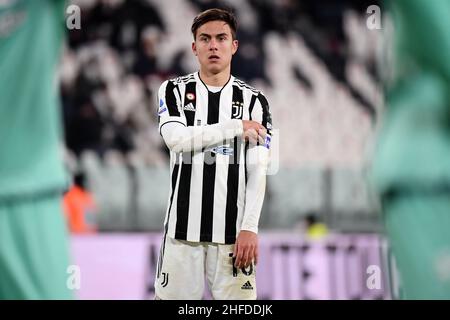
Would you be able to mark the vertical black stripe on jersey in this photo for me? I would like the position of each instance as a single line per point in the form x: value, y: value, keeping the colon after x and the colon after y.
x: 250, y: 108
x: 209, y: 174
x: 184, y: 189
x: 266, y: 117
x: 233, y: 180
x: 171, y: 101
x: 190, y: 92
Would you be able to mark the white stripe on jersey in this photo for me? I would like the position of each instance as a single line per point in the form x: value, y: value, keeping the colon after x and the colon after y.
x: 172, y: 215
x: 222, y: 162
x: 195, y: 203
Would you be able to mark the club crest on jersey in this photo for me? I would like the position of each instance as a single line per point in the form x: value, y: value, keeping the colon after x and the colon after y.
x: 225, y: 150
x: 165, y: 280
x: 237, y: 110
x: 190, y: 96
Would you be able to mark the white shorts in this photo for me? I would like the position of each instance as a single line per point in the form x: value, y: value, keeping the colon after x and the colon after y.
x: 182, y: 267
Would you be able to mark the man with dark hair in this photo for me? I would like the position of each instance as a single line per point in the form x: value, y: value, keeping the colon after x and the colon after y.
x: 215, y: 15
x: 218, y: 131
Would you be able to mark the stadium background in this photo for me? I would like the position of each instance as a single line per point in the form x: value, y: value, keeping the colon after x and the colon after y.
x: 317, y: 63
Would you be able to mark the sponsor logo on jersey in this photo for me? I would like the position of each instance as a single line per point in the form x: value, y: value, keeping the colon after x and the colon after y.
x: 247, y: 286
x: 189, y: 107
x: 225, y: 150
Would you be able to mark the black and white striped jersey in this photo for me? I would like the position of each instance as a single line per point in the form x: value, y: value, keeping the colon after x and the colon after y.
x: 217, y: 179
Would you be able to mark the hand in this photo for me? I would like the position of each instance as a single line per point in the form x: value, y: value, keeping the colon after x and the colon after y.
x: 246, y: 249
x: 253, y: 131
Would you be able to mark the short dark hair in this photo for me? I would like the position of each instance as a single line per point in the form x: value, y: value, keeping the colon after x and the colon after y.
x: 215, y: 15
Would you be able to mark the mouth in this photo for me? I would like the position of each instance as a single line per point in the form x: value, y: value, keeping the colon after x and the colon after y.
x: 213, y: 58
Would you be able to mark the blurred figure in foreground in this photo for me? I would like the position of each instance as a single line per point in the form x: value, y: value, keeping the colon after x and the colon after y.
x: 412, y: 161
x: 33, y: 239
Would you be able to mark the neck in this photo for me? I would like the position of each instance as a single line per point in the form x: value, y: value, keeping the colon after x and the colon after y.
x: 215, y: 80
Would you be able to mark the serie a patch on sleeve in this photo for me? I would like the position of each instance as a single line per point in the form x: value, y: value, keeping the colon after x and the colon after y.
x: 162, y: 107
x: 267, y: 141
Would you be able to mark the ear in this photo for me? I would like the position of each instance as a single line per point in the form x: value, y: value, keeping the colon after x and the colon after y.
x: 194, y: 48
x: 235, y: 46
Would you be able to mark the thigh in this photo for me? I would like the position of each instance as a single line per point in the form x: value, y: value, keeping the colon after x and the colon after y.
x: 226, y: 281
x: 417, y: 227
x: 180, y: 271
x: 33, y: 250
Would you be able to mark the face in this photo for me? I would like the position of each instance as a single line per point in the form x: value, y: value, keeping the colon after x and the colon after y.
x: 214, y: 46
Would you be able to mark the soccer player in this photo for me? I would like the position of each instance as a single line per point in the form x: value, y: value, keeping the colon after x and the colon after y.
x: 412, y: 162
x: 33, y: 244
x: 218, y: 130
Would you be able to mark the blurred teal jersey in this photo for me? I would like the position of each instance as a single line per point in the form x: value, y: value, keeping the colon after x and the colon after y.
x: 412, y: 161
x: 413, y: 148
x: 31, y: 35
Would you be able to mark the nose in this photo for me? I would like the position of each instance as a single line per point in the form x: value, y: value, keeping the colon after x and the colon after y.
x: 213, y: 44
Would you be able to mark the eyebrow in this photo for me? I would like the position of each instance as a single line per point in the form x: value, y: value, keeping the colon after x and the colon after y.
x: 209, y: 36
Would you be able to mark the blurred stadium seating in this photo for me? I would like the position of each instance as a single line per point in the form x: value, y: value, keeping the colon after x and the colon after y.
x: 314, y: 60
